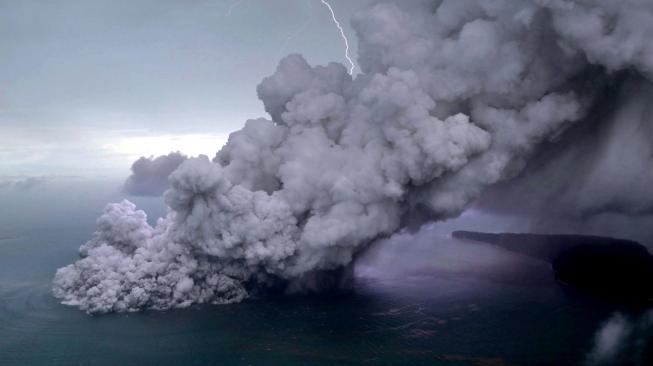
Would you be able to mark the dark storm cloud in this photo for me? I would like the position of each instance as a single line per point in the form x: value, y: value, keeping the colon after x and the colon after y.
x: 150, y: 175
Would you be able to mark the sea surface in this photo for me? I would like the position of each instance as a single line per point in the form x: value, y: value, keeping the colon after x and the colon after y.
x: 474, y: 307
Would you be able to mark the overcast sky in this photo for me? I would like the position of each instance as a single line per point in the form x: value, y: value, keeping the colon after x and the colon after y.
x: 87, y: 86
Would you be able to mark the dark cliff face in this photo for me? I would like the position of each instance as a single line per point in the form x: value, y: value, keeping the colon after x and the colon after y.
x: 607, y: 266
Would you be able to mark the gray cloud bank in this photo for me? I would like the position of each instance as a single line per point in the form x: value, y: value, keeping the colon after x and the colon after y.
x: 454, y: 97
x: 23, y: 182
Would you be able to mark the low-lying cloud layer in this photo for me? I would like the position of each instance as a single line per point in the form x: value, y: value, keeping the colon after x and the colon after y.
x: 454, y: 96
x: 23, y: 182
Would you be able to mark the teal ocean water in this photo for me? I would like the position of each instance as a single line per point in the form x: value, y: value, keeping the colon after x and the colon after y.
x: 427, y: 316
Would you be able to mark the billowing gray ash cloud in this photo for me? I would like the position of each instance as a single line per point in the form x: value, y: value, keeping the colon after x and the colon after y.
x: 454, y: 96
x: 150, y: 175
x: 597, y: 177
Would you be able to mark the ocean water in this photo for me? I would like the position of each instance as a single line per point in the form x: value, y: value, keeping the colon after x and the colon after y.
x: 447, y: 308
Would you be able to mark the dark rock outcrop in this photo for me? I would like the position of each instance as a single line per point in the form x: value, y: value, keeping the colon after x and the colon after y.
x: 607, y: 266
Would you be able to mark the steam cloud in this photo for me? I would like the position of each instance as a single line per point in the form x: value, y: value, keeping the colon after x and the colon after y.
x: 622, y: 341
x: 454, y: 96
x: 609, y: 339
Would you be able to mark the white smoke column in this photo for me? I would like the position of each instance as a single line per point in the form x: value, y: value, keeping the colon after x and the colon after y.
x: 453, y: 96
x: 352, y: 65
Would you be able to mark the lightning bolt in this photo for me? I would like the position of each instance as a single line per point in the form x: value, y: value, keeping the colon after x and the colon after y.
x: 342, y: 34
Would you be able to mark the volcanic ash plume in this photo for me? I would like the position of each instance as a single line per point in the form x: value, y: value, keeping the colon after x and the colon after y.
x: 150, y: 175
x: 453, y: 96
